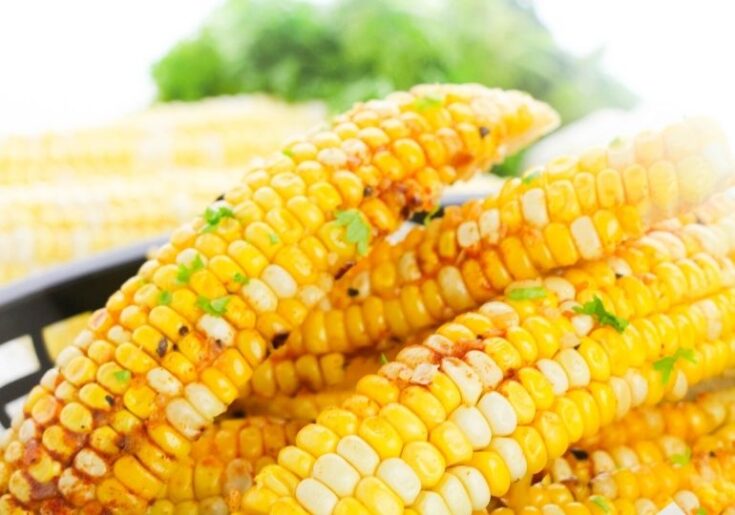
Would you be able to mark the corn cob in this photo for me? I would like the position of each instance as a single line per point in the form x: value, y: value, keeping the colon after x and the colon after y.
x: 176, y: 343
x: 222, y: 464
x: 45, y: 224
x: 468, y: 398
x: 572, y: 209
x: 424, y: 303
x: 212, y: 133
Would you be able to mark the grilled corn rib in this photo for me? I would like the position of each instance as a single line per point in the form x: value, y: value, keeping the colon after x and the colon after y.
x: 423, y: 303
x: 571, y: 210
x: 498, y: 393
x: 178, y: 342
x: 277, y: 379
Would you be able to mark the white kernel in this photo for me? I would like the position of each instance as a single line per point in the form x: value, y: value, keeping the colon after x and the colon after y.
x: 315, y: 497
x: 163, y: 381
x: 359, y: 454
x: 204, y: 400
x: 468, y: 234
x: 465, y: 378
x: 586, y: 238
x: 280, y: 281
x: 554, y: 372
x: 332, y: 470
x: 489, y: 224
x: 260, y: 297
x: 217, y: 329
x: 474, y: 426
x: 401, y: 478
x: 533, y: 205
x: 499, y: 413
x: 474, y: 484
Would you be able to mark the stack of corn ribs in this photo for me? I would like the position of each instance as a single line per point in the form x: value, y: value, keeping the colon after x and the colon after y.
x: 530, y: 352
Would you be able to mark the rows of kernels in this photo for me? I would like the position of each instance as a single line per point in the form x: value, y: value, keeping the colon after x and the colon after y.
x: 541, y: 435
x: 423, y: 280
x: 208, y: 327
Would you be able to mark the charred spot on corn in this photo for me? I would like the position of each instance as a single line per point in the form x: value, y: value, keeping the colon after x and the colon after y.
x: 665, y: 365
x: 367, y: 191
x: 342, y: 271
x: 357, y: 230
x: 183, y: 331
x: 596, y: 309
x: 579, y: 454
x: 184, y: 272
x: 110, y: 400
x: 530, y: 293
x: 278, y: 340
x: 353, y: 292
x: 215, y: 307
x: 164, y: 298
x: 484, y: 131
x: 162, y: 347
x: 213, y: 216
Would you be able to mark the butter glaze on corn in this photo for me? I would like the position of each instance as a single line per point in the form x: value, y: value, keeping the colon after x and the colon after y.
x: 572, y: 209
x: 178, y: 342
x: 472, y: 399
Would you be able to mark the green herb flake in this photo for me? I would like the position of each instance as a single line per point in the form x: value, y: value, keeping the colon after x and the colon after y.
x: 288, y: 153
x: 666, y: 364
x: 530, y: 177
x: 184, y: 273
x: 428, y: 102
x: 700, y: 511
x: 215, y: 307
x: 617, y: 141
x: 273, y: 238
x: 358, y: 230
x: 596, y: 308
x: 431, y: 215
x: 122, y: 376
x: 601, y: 503
x: 213, y: 216
x: 682, y: 459
x: 532, y: 293
x: 241, y: 278
x: 383, y: 358
x: 164, y: 298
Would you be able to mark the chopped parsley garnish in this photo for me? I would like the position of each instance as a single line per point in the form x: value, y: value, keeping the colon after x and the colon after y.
x: 184, y: 273
x: 666, y: 364
x: 164, y: 298
x: 213, y: 216
x: 430, y: 215
x: 601, y: 503
x: 532, y: 293
x: 215, y: 307
x: 273, y: 238
x: 530, y: 177
x: 358, y: 230
x: 383, y: 358
x: 700, y: 511
x: 122, y: 376
x: 241, y: 278
x: 288, y: 152
x: 682, y: 459
x: 596, y: 309
x: 428, y: 102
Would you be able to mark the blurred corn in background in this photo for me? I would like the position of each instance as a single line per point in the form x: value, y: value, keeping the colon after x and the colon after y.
x: 69, y: 195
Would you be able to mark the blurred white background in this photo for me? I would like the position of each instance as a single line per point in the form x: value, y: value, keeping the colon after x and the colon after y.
x: 82, y: 62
